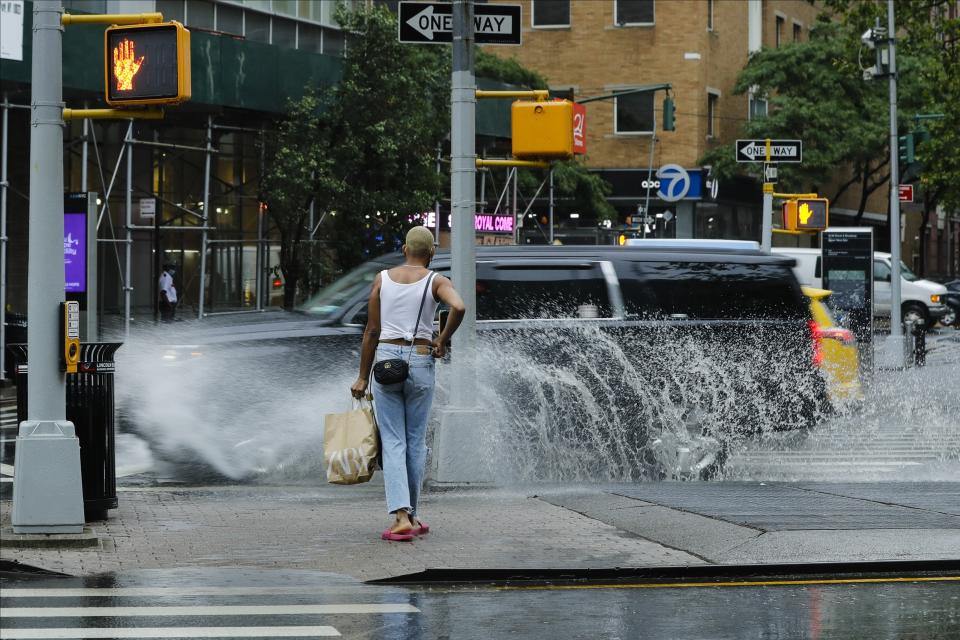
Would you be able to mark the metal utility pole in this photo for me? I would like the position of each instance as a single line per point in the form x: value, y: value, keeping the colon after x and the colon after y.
x: 766, y: 233
x: 895, y: 311
x: 463, y: 169
x: 3, y: 237
x: 47, y: 494
x: 551, y: 205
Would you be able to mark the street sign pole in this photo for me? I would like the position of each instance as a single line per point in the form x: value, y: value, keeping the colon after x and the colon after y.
x: 462, y: 199
x: 47, y: 495
x: 766, y: 235
x: 895, y: 315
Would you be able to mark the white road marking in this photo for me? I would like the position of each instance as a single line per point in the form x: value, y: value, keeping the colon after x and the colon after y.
x: 214, y: 610
x: 173, y: 632
x: 113, y: 592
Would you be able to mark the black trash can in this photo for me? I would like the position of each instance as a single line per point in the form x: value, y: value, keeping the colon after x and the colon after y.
x: 90, y: 407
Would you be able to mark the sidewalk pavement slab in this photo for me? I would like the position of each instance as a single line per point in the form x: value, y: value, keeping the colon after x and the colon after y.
x: 667, y: 524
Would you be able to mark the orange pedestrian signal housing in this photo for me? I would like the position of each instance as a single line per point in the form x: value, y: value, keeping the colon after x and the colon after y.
x: 147, y: 64
x: 542, y: 129
x: 806, y: 214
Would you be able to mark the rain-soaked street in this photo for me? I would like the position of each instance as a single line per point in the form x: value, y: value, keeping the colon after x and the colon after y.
x: 275, y: 604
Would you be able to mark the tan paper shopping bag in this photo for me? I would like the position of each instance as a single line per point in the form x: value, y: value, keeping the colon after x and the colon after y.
x: 351, y: 445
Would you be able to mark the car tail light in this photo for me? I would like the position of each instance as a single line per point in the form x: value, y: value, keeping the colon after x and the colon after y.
x: 844, y: 336
x: 277, y: 283
x: 816, y: 334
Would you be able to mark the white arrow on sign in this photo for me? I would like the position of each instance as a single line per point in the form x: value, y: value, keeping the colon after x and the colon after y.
x: 428, y: 23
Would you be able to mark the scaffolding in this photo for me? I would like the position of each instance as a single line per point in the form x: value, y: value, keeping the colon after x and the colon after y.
x: 88, y: 140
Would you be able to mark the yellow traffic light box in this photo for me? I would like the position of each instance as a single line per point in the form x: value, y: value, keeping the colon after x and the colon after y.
x: 806, y: 214
x: 542, y: 129
x: 147, y: 64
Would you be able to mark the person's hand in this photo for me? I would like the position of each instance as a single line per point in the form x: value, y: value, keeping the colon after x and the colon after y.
x: 439, y: 349
x: 359, y: 388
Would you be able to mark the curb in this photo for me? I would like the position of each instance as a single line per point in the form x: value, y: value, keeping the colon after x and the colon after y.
x: 87, y: 539
x: 666, y: 574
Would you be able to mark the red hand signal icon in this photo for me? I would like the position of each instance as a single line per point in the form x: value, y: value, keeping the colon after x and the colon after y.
x: 125, y: 64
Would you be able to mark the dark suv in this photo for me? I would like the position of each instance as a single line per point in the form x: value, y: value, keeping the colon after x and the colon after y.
x: 588, y: 355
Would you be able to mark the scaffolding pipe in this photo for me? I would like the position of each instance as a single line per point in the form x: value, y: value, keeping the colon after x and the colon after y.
x: 516, y: 223
x: 170, y: 145
x: 84, y: 154
x: 551, y: 205
x: 3, y: 239
x: 206, y: 209
x: 260, y: 253
x: 127, y: 289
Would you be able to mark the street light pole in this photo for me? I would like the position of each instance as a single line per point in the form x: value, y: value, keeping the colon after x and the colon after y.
x: 47, y: 495
x: 462, y: 199
x: 895, y: 311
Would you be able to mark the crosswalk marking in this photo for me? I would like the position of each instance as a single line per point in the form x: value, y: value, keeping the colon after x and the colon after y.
x: 172, y: 632
x: 114, y: 592
x: 211, y: 610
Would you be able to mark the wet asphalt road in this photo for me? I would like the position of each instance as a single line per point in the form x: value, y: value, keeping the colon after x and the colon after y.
x: 233, y: 603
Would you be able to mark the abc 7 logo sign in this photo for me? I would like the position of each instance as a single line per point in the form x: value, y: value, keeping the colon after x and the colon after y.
x: 673, y: 183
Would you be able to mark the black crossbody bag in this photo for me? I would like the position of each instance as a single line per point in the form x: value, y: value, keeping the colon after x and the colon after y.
x: 396, y: 370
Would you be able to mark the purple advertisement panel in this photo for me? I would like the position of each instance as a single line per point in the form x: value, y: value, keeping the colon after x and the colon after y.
x: 75, y: 252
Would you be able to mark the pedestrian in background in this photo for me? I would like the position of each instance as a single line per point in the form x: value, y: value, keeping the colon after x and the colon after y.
x: 400, y: 314
x: 168, y: 294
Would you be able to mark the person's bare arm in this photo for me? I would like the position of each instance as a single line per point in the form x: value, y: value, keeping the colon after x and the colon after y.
x: 371, y: 336
x: 447, y: 294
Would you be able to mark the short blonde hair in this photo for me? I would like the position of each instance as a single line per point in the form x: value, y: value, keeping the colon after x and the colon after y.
x: 419, y: 242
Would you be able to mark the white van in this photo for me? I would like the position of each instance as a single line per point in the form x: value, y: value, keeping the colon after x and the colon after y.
x: 920, y: 299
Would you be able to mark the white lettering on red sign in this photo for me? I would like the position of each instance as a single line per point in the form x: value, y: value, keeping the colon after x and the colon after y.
x: 579, y: 129
x: 905, y: 192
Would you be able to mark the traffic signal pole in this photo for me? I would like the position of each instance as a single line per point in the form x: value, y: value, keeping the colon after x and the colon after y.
x: 766, y: 233
x: 47, y: 495
x: 895, y: 310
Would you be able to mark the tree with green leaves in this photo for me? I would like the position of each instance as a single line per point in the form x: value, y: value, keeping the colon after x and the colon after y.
x: 298, y: 169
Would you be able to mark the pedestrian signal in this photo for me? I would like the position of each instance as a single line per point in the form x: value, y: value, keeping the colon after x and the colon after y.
x: 806, y: 214
x: 147, y: 64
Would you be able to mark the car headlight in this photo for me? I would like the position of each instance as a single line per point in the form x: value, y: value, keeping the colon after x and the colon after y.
x: 935, y: 299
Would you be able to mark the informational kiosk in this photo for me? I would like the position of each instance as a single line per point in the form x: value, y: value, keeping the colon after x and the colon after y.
x: 80, y: 258
x: 847, y: 268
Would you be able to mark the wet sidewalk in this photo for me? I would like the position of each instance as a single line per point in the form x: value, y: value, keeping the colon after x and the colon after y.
x: 336, y: 529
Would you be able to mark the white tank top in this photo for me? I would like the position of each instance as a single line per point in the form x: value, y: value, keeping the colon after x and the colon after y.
x: 398, y: 308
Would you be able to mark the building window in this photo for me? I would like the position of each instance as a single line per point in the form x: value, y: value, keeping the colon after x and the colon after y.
x: 633, y: 12
x: 229, y: 19
x: 200, y: 14
x: 257, y: 27
x: 550, y: 13
x: 171, y: 9
x: 758, y: 108
x: 286, y: 7
x: 778, y: 34
x: 284, y: 33
x: 633, y: 113
x: 710, y: 15
x: 334, y: 42
x: 797, y: 31
x: 309, y: 38
x: 712, y: 130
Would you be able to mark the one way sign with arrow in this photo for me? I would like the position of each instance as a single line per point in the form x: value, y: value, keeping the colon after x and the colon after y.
x: 432, y: 23
x: 780, y: 151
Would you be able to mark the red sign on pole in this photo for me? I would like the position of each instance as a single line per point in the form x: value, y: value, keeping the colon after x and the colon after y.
x: 579, y: 128
x: 906, y: 192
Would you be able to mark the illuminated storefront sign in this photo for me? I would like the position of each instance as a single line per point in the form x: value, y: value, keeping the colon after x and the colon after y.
x: 482, y: 222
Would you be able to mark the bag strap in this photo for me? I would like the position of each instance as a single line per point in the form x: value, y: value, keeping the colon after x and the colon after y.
x: 416, y: 324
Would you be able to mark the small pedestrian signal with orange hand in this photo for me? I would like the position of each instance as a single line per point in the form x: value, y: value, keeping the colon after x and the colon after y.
x: 126, y: 65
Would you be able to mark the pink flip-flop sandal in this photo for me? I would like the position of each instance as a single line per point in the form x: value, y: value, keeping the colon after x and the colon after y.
x: 396, y: 537
x: 421, y: 529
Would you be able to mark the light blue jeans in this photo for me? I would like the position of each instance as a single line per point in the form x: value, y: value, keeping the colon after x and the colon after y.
x: 402, y: 411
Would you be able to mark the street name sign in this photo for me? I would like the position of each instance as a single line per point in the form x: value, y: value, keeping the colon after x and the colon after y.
x: 905, y: 192
x: 432, y: 23
x: 780, y: 151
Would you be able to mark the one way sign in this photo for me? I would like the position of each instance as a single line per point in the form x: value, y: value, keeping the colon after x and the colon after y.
x: 780, y: 151
x: 432, y: 23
